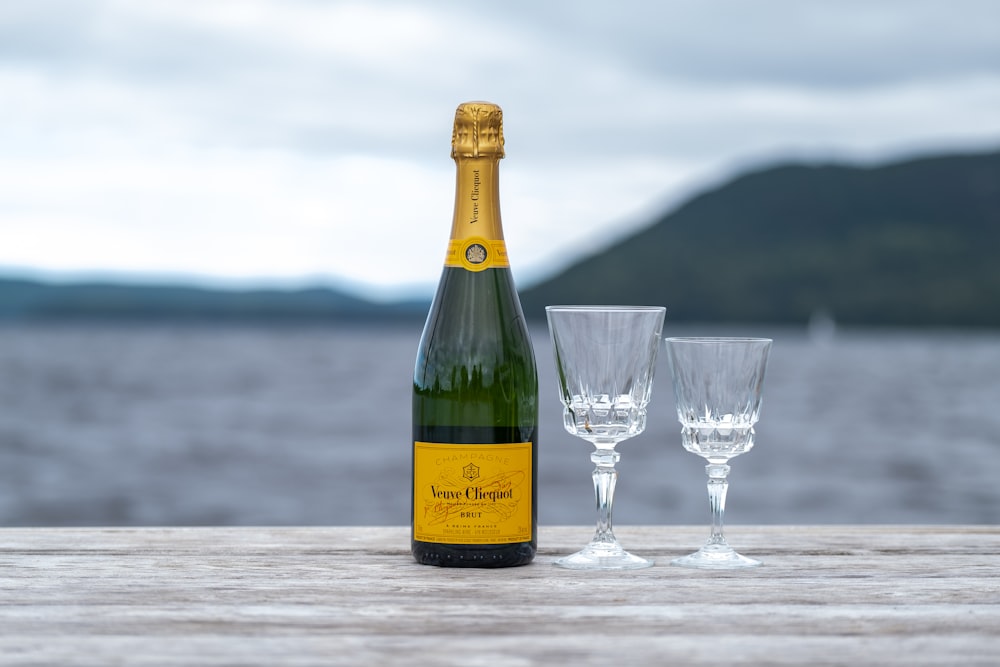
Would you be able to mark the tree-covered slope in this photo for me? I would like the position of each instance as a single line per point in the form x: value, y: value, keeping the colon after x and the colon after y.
x: 911, y: 243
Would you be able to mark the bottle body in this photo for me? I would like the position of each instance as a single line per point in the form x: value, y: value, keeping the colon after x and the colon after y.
x: 475, y: 397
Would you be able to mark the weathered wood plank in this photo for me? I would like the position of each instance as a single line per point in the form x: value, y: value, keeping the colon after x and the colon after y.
x: 887, y: 595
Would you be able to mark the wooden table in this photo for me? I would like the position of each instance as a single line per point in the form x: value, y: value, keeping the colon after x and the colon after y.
x: 826, y: 595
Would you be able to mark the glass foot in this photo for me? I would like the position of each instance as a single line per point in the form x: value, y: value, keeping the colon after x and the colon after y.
x: 603, y: 558
x: 715, y: 557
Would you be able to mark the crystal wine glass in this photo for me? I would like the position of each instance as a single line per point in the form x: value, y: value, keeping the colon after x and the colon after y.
x: 605, y: 357
x: 717, y: 384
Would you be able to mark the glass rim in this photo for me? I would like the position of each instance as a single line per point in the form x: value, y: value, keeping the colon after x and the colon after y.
x: 610, y: 308
x: 716, y: 339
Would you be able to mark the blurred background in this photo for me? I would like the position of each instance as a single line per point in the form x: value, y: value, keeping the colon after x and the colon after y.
x: 221, y: 224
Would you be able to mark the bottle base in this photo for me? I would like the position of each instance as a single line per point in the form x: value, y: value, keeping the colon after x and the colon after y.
x: 473, y: 555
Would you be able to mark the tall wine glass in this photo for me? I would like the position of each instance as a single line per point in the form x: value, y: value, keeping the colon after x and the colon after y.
x: 717, y: 384
x: 605, y: 357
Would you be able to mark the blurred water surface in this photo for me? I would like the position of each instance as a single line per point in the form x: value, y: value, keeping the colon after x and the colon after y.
x: 195, y: 425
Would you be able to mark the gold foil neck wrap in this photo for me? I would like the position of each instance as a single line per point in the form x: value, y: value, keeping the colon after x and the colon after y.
x: 478, y: 130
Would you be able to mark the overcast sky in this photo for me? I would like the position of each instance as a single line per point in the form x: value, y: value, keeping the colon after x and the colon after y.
x: 296, y: 141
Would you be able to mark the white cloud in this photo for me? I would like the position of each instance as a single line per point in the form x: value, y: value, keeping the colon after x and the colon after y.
x: 285, y: 140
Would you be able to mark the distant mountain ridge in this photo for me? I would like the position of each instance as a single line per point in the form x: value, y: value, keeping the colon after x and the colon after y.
x: 35, y: 300
x: 910, y: 243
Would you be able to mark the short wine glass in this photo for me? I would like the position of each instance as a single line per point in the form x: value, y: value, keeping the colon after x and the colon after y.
x: 605, y: 358
x: 717, y: 384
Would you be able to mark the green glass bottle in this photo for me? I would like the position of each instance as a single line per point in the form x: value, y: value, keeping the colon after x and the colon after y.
x: 475, y: 385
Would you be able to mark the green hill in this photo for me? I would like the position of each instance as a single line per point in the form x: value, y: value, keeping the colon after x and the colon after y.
x: 912, y: 243
x: 33, y: 300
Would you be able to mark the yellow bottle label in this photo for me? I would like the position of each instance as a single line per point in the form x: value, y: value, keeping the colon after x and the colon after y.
x: 472, y: 494
x: 477, y: 254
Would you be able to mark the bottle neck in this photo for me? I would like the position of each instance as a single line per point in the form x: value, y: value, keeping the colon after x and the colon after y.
x: 477, y: 241
x: 477, y: 199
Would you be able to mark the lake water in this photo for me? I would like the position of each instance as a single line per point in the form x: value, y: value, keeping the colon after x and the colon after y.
x: 191, y: 425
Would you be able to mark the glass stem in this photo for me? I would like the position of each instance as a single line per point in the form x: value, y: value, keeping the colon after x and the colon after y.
x: 605, y: 478
x: 718, y: 485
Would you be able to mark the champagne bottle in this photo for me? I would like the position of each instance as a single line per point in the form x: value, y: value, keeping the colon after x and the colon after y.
x: 475, y: 385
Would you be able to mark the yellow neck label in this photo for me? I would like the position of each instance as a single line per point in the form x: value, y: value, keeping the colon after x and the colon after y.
x: 472, y: 494
x: 477, y: 254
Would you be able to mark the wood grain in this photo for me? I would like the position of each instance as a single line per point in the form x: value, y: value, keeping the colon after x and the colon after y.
x: 826, y: 595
